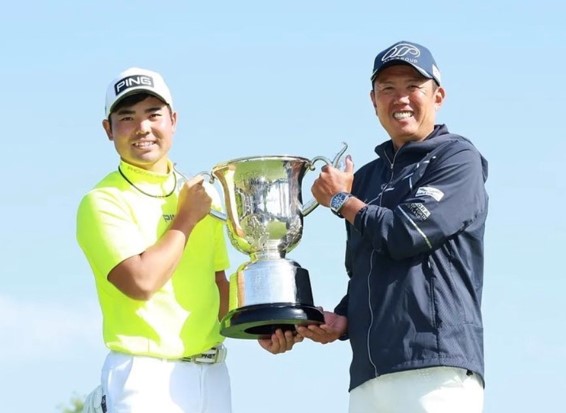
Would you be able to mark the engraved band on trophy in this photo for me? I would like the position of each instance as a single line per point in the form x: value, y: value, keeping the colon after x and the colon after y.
x: 264, y: 216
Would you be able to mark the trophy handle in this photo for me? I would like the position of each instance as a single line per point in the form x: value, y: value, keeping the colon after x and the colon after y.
x: 336, y: 163
x: 214, y: 213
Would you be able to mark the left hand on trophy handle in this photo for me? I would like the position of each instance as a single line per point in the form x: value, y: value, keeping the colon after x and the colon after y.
x: 336, y: 162
x: 332, y: 180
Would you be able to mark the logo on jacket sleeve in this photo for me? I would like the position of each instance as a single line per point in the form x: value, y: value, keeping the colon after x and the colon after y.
x: 434, y: 193
x: 419, y: 211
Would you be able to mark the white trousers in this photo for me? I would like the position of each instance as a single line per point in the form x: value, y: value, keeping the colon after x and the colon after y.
x: 429, y: 390
x: 135, y: 384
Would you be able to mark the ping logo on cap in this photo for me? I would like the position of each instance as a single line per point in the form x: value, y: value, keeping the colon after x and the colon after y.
x: 132, y: 81
x: 402, y: 51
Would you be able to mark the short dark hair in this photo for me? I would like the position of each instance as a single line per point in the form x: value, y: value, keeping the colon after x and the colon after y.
x: 435, y: 85
x: 131, y: 100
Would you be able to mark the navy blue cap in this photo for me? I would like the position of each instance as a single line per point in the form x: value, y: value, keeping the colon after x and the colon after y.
x: 409, y: 53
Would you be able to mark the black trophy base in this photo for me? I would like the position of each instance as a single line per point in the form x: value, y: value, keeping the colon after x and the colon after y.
x: 262, y: 320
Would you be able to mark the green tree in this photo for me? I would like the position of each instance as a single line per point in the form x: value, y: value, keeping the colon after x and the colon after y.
x: 76, y: 405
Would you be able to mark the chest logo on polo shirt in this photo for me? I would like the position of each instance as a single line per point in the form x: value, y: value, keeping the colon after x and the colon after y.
x: 168, y: 217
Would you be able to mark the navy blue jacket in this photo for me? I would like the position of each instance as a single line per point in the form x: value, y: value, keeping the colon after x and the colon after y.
x: 415, y: 259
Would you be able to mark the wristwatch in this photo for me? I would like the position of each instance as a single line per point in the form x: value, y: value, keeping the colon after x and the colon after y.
x: 337, y: 202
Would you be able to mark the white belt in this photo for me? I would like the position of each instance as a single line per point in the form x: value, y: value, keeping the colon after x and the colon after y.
x: 214, y: 355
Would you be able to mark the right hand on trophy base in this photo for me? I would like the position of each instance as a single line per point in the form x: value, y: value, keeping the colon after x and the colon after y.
x: 280, y: 341
x: 333, y: 328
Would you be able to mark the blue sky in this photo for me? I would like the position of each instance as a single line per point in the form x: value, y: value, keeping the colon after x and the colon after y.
x: 262, y: 78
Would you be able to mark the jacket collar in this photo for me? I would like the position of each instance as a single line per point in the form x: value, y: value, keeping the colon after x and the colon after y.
x: 386, y: 150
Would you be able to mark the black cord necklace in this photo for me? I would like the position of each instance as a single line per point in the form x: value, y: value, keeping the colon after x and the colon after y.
x: 147, y: 194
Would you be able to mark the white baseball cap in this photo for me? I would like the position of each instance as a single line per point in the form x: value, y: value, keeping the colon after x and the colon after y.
x: 135, y: 80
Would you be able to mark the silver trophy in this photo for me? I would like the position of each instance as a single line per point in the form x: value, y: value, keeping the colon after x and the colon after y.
x: 264, y: 215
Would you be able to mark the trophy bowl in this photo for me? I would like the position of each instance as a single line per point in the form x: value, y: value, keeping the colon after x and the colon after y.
x: 264, y: 216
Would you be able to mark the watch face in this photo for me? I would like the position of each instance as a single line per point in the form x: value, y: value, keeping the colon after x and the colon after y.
x: 337, y: 200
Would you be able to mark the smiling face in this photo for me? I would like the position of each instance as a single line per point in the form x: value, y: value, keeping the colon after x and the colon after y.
x: 143, y: 133
x: 406, y: 103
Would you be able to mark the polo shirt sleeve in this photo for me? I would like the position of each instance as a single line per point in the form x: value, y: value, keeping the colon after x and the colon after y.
x: 106, y: 232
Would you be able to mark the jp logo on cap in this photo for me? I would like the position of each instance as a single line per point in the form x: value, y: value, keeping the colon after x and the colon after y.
x: 409, y: 53
x: 136, y: 80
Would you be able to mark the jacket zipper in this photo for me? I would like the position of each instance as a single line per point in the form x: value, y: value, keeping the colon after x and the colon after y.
x: 392, y: 164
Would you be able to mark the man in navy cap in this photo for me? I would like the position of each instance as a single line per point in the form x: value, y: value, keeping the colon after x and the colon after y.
x: 415, y: 220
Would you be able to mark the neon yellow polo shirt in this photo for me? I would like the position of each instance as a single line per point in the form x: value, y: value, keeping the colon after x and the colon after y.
x: 116, y: 221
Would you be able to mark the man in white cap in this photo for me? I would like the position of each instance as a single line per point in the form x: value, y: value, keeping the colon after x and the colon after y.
x: 159, y: 263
